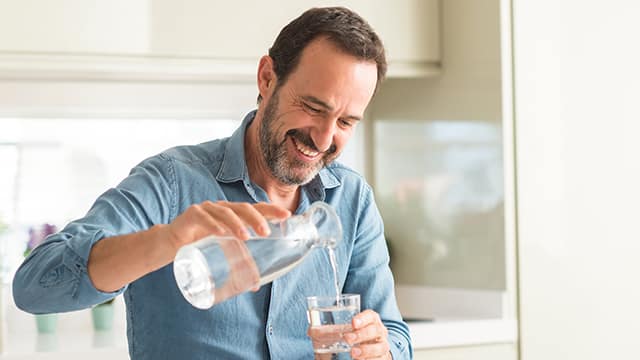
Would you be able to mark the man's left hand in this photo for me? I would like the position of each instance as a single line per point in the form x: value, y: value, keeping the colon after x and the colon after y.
x: 369, y: 337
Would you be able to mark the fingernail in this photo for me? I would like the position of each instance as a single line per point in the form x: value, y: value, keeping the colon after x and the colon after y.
x: 357, y: 323
x: 356, y: 351
x: 351, y: 337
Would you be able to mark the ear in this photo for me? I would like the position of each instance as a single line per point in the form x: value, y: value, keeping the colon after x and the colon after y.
x: 266, y: 76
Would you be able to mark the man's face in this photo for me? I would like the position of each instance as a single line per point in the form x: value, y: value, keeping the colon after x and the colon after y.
x: 308, y: 119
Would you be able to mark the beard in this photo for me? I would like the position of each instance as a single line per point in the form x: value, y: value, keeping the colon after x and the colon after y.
x: 289, y: 171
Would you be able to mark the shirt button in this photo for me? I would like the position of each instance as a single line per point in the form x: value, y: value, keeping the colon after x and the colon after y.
x: 270, y: 329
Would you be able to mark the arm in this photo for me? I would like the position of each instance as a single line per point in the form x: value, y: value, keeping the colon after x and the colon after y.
x: 54, y: 278
x: 116, y: 261
x: 122, y: 238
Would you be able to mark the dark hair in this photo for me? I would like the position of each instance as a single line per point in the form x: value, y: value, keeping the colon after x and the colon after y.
x: 343, y: 27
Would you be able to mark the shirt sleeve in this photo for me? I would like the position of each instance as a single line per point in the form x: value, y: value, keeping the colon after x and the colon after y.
x: 370, y: 276
x: 53, y: 278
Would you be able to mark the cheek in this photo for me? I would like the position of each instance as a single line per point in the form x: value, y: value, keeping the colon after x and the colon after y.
x: 341, y: 140
x: 293, y: 119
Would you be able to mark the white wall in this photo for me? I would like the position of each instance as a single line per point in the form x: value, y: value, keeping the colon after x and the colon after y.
x: 577, y: 85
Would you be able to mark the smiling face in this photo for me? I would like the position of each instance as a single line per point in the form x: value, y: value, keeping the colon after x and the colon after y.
x: 308, y: 119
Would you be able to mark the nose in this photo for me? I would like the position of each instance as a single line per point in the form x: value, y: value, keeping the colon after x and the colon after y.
x: 323, y: 133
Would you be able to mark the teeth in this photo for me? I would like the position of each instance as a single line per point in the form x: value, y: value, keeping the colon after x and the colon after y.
x: 305, y: 150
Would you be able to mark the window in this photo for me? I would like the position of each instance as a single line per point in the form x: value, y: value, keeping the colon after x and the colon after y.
x: 55, y: 168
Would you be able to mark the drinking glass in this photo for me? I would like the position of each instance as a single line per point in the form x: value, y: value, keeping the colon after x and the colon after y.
x: 330, y: 318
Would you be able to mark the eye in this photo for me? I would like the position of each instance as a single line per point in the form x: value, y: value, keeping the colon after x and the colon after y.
x: 311, y: 108
x: 345, y: 123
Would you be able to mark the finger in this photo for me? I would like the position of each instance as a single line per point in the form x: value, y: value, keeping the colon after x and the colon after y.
x: 371, y: 332
x: 202, y: 222
x: 272, y: 211
x: 365, y: 318
x: 251, y: 216
x: 193, y: 224
x: 378, y: 350
x: 324, y: 332
x: 227, y: 218
x: 255, y: 216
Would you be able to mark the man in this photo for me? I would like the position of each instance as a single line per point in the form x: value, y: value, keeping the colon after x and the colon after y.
x: 314, y: 86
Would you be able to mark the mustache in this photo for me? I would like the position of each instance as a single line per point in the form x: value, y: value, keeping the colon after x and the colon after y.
x: 306, y: 140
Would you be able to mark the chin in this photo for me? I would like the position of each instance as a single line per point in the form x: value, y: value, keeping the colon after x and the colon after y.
x: 301, y: 179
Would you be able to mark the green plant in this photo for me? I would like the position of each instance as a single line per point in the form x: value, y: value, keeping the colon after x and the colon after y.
x: 110, y: 301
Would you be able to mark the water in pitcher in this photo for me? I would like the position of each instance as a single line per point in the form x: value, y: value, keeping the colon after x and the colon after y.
x: 215, y: 268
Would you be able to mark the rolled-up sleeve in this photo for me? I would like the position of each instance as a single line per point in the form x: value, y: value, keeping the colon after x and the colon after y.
x: 370, y: 276
x: 53, y: 278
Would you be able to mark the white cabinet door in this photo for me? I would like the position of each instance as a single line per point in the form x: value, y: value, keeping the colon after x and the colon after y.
x: 75, y: 26
x: 246, y: 29
x: 237, y: 32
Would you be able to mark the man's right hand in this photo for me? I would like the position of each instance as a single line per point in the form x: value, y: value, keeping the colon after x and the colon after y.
x: 222, y: 218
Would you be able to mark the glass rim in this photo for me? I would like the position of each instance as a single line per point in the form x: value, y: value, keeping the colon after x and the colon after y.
x: 332, y: 297
x: 344, y: 300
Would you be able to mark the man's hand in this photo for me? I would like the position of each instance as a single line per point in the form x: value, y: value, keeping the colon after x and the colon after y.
x: 222, y: 218
x: 231, y: 220
x: 369, y: 337
x: 366, y: 335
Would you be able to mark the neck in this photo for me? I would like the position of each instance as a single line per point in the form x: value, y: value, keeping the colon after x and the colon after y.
x: 281, y: 194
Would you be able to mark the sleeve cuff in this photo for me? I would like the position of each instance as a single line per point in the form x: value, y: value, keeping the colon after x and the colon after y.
x: 399, y: 348
x: 85, y: 293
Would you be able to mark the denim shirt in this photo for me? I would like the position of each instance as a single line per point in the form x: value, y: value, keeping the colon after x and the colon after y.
x: 269, y: 323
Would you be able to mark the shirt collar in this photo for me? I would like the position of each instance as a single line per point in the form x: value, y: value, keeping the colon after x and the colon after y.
x: 234, y: 165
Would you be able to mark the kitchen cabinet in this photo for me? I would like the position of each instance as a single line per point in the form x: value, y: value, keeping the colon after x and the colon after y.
x: 578, y: 176
x: 189, y: 40
x: 475, y: 352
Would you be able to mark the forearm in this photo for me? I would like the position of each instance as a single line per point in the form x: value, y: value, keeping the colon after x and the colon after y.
x: 117, y: 261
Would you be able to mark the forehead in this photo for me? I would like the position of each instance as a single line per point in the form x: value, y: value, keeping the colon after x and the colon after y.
x: 326, y: 72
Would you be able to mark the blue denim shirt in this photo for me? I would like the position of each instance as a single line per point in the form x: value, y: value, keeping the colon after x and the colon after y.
x: 269, y: 323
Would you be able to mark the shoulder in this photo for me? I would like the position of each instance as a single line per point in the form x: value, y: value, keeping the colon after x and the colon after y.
x: 204, y: 153
x: 185, y: 160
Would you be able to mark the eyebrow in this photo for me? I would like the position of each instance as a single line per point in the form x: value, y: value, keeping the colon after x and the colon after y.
x: 327, y: 107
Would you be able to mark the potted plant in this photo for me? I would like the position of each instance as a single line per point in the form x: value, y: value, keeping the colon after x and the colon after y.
x: 46, y: 323
x: 102, y: 316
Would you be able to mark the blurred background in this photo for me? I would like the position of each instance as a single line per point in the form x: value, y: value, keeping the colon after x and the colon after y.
x: 501, y: 149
